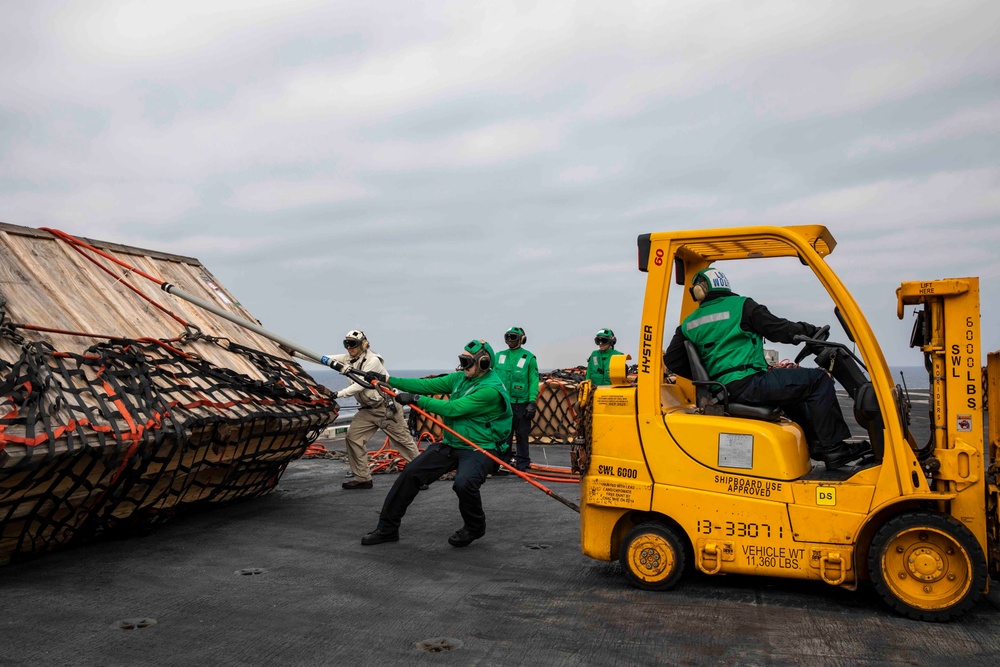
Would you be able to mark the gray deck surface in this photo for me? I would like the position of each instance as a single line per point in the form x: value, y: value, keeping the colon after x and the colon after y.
x: 523, y: 595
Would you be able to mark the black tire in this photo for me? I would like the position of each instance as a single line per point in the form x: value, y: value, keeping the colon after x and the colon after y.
x: 927, y: 566
x: 653, y: 557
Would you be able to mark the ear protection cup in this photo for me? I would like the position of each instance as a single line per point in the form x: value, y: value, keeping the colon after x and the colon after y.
x: 482, y: 351
x: 517, y: 330
x: 708, y: 281
x: 607, y: 333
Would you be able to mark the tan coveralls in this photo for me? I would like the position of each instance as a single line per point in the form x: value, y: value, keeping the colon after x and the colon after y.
x: 373, y: 414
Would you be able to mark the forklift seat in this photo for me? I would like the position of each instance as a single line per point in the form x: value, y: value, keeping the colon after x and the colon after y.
x: 712, y: 398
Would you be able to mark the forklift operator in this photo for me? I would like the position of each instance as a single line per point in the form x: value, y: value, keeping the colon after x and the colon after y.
x: 728, y: 332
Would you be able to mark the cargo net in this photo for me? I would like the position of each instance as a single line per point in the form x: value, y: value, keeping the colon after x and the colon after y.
x: 130, y: 433
x: 556, y: 417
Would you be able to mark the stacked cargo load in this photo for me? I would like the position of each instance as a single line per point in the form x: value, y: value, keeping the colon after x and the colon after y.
x: 120, y: 406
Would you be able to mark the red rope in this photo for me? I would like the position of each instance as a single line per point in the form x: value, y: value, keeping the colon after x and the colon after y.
x: 569, y: 403
x: 135, y: 430
x: 79, y: 245
x: 526, y: 477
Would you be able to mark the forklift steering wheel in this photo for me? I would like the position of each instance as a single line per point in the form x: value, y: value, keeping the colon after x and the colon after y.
x: 812, y: 348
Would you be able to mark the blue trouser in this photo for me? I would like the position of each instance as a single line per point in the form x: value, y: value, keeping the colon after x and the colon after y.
x: 471, y: 469
x: 520, y: 427
x: 809, y: 398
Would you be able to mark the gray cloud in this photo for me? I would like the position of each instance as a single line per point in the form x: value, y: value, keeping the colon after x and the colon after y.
x: 435, y: 173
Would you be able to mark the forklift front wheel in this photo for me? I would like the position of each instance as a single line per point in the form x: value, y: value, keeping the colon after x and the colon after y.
x: 653, y: 557
x: 927, y: 566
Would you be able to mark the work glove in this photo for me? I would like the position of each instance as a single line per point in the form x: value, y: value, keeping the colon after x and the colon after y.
x: 529, y: 410
x: 333, y: 395
x: 810, y: 330
x: 406, y: 398
x: 334, y: 364
x: 372, y: 376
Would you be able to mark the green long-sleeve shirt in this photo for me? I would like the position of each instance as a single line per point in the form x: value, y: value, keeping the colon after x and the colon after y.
x: 478, y: 408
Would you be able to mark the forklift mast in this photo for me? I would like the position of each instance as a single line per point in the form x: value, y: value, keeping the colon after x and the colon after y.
x: 946, y: 330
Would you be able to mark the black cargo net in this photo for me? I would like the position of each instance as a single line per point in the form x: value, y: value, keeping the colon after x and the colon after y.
x: 557, y: 415
x: 421, y: 427
x: 130, y: 433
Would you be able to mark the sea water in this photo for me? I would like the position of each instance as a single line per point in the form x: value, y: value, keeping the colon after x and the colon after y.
x: 915, y: 376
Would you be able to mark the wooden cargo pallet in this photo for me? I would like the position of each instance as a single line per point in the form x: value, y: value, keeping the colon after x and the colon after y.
x: 121, y: 406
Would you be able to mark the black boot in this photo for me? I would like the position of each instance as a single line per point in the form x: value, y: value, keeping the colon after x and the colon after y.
x: 463, y: 537
x: 844, y: 453
x: 380, y: 535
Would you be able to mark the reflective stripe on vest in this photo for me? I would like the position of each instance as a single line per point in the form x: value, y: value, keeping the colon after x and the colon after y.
x: 728, y: 352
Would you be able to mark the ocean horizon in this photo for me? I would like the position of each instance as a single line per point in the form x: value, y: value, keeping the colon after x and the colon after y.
x: 916, y: 377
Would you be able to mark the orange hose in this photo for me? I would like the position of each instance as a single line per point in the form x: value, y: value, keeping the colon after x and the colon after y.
x: 553, y: 469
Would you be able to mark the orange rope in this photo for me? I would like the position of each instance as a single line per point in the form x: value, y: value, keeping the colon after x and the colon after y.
x: 79, y: 245
x: 572, y: 412
x: 135, y: 430
x: 316, y: 450
x: 553, y: 469
x: 555, y: 480
x: 525, y: 476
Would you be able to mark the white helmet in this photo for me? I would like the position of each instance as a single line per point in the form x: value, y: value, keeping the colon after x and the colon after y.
x: 355, y: 338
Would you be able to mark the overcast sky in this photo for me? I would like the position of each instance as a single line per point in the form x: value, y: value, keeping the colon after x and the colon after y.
x: 434, y: 172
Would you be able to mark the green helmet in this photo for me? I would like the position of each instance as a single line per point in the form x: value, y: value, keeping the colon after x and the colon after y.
x: 605, y: 336
x: 515, y: 334
x: 481, y: 351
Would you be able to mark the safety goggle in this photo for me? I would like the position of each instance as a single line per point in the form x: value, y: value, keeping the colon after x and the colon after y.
x: 512, y: 336
x: 601, y: 340
x: 348, y: 343
x: 466, y: 362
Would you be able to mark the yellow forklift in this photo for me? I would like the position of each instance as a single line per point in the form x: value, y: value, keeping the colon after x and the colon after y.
x: 676, y: 476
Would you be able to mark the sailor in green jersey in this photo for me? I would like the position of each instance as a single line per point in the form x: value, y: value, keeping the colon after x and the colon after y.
x: 597, y: 365
x: 728, y: 331
x: 478, y: 409
x: 518, y: 369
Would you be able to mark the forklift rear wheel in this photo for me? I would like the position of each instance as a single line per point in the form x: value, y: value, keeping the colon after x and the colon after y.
x: 927, y: 566
x: 653, y: 557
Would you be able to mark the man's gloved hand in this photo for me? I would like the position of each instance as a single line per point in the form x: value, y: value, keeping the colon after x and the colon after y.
x: 372, y: 376
x: 406, y: 398
x: 333, y: 395
x: 529, y: 410
x: 328, y: 360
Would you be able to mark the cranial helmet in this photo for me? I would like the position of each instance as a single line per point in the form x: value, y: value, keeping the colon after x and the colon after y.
x: 605, y: 335
x: 481, y: 354
x: 708, y: 281
x: 355, y: 338
x: 515, y: 334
